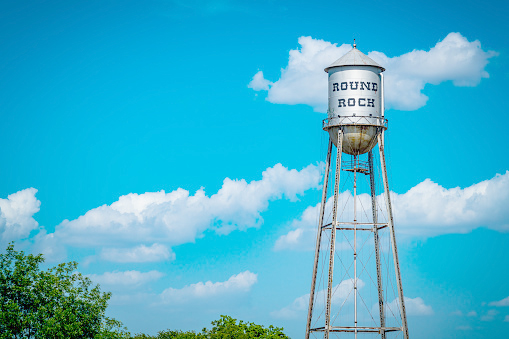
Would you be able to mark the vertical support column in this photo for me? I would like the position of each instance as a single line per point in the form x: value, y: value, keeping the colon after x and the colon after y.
x: 404, y: 326
x: 318, y: 239
x: 355, y: 164
x: 333, y: 233
x: 381, y: 308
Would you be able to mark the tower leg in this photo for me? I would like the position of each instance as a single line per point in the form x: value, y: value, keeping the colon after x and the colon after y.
x: 355, y: 242
x: 404, y: 326
x: 318, y: 239
x: 333, y: 233
x: 377, y: 244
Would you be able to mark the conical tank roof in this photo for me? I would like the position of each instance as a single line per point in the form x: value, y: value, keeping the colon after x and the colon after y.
x: 354, y: 58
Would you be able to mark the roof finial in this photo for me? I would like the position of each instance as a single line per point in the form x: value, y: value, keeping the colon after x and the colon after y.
x: 354, y: 44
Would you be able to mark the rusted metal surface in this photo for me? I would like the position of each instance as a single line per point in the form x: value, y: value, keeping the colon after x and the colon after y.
x: 360, y: 134
x: 357, y: 139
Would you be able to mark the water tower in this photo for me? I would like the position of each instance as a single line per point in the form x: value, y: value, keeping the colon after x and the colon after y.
x: 355, y: 125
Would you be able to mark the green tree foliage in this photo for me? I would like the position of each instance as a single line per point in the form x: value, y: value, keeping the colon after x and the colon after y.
x: 61, y: 303
x: 55, y: 303
x: 224, y: 328
x: 170, y: 334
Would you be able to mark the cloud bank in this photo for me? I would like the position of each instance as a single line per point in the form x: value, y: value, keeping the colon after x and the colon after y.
x: 303, y: 80
x: 236, y: 284
x: 490, y: 315
x: 500, y: 303
x: 178, y: 217
x: 126, y: 278
x: 142, y: 227
x: 430, y: 209
x: 426, y: 210
x: 141, y: 253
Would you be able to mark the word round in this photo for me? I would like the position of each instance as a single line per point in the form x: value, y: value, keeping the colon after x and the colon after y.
x: 363, y: 86
x: 355, y: 86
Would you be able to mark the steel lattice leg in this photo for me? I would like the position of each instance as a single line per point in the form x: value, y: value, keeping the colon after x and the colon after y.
x: 333, y: 232
x: 404, y: 326
x: 318, y: 239
x: 377, y: 244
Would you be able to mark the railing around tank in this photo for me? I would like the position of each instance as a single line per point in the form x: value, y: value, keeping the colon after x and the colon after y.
x: 355, y: 164
x: 354, y: 120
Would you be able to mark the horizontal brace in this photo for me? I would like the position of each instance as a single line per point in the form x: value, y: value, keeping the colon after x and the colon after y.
x: 339, y: 224
x: 359, y: 223
x: 357, y: 329
x: 354, y: 229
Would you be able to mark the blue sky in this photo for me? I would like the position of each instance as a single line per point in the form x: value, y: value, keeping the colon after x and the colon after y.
x: 104, y: 104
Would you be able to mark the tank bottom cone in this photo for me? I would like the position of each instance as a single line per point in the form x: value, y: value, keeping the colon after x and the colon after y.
x: 357, y: 139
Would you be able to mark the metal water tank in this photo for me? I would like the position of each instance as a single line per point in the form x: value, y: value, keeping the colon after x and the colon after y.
x: 355, y: 102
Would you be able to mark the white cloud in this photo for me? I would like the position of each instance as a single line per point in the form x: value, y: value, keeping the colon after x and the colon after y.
x: 294, y: 310
x: 503, y: 302
x: 240, y: 283
x: 427, y: 209
x: 49, y: 245
x: 259, y: 83
x: 133, y: 298
x: 293, y: 240
x: 490, y: 315
x: 464, y: 328
x: 303, y: 80
x: 453, y: 59
x: 458, y: 313
x: 413, y: 306
x: 303, y: 235
x: 472, y: 314
x: 299, y: 306
x: 430, y: 209
x: 506, y: 319
x: 141, y: 253
x: 178, y: 217
x: 16, y: 215
x: 126, y: 278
